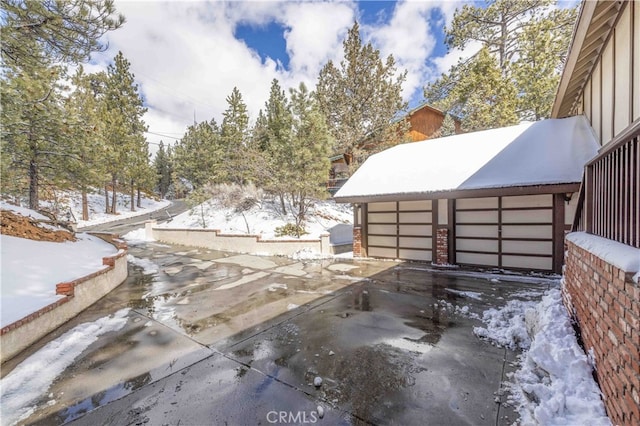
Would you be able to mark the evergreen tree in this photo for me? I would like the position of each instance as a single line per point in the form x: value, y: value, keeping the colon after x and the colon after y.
x: 123, y: 111
x: 82, y: 110
x: 65, y: 31
x: 359, y: 99
x: 34, y: 147
x: 448, y: 127
x: 524, y: 42
x: 162, y: 166
x: 199, y: 156
x: 308, y: 168
x: 234, y: 136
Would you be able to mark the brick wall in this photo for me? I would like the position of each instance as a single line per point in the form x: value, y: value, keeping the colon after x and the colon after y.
x: 442, y: 246
x: 357, y: 241
x: 605, y: 302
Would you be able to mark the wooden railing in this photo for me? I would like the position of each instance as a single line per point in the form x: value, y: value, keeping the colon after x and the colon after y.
x: 609, y: 199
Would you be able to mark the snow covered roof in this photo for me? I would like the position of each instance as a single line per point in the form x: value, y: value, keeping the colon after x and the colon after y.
x: 546, y: 152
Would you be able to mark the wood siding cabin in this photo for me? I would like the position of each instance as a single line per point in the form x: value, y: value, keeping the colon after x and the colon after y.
x: 425, y: 122
x: 601, y: 82
x: 500, y: 198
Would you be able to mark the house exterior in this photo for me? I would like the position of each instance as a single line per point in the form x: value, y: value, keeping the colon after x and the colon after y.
x: 500, y: 198
x: 601, y: 82
x: 425, y: 122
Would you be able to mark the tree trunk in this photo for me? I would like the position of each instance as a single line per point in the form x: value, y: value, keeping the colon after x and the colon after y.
x: 106, y: 198
x: 284, y: 208
x: 139, y: 203
x: 85, y: 205
x: 33, y: 185
x: 114, y: 200
x: 133, y: 196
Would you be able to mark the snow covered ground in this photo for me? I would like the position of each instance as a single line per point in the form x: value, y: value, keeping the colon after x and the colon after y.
x: 553, y: 384
x: 263, y: 219
x: 31, y: 269
x: 29, y: 382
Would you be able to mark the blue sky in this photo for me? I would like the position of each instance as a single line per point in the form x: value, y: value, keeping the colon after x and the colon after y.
x: 188, y: 55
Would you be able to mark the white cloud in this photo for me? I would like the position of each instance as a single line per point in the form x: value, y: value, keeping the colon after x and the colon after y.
x: 187, y: 60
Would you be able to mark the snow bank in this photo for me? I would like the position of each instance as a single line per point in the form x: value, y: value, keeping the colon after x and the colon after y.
x: 22, y: 211
x: 620, y: 255
x: 29, y: 381
x: 31, y: 269
x: 554, y: 383
x: 137, y: 236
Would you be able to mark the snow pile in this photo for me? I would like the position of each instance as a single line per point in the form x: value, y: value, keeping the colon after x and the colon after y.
x: 148, y: 267
x: 137, y: 236
x: 31, y: 269
x: 27, y: 384
x: 506, y: 326
x: 554, y: 383
x: 262, y: 219
x: 22, y: 211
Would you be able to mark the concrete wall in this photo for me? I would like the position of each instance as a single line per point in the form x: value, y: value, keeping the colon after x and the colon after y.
x: 214, y: 240
x: 605, y: 302
x: 79, y: 295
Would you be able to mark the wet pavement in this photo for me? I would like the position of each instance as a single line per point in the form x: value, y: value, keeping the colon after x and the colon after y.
x: 222, y: 338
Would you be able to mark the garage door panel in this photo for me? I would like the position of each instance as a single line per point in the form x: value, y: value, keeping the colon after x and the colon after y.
x: 418, y: 230
x: 477, y: 231
x: 527, y: 216
x: 527, y: 262
x: 527, y: 231
x: 382, y: 252
x: 383, y: 229
x: 415, y: 242
x: 477, y: 203
x: 477, y: 217
x: 378, y: 240
x: 382, y: 207
x: 382, y: 218
x: 477, y: 259
x: 423, y: 255
x: 533, y: 247
x: 542, y: 200
x: 415, y: 217
x: 477, y: 245
x: 415, y: 205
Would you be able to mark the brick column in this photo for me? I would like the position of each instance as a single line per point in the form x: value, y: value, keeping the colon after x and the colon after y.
x: 357, y: 241
x: 442, y: 244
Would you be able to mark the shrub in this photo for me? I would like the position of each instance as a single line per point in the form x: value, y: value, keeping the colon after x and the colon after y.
x: 290, y: 230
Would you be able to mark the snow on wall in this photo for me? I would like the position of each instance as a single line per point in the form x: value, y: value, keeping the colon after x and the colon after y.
x: 545, y: 152
x: 617, y: 254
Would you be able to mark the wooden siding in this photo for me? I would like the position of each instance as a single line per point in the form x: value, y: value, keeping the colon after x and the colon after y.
x: 611, y: 95
x: 425, y: 122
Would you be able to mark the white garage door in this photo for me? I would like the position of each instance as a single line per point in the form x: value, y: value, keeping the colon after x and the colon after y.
x: 507, y: 232
x: 400, y: 230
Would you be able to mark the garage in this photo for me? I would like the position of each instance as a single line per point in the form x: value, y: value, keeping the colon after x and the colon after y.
x: 500, y: 198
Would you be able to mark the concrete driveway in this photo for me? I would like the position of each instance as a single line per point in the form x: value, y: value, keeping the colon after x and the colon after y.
x: 218, y: 338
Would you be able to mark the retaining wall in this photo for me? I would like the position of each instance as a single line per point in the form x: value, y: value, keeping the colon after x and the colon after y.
x: 79, y: 295
x: 213, y: 239
x: 604, y: 300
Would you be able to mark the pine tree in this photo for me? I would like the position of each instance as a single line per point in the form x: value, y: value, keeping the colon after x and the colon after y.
x: 199, y: 156
x: 234, y: 135
x: 162, y: 166
x: 123, y: 111
x: 65, y: 31
x: 33, y: 142
x: 359, y: 99
x: 448, y: 127
x: 527, y: 40
x: 309, y: 153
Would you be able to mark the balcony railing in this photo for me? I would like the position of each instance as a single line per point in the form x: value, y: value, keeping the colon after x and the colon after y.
x: 609, y: 201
